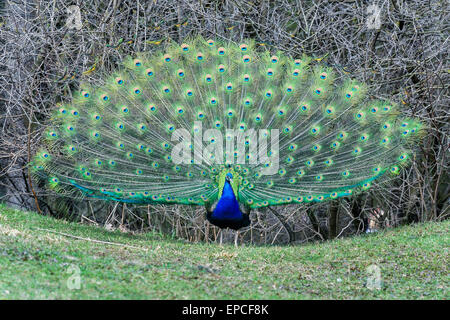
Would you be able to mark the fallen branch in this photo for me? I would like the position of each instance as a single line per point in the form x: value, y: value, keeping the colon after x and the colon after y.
x: 92, y: 240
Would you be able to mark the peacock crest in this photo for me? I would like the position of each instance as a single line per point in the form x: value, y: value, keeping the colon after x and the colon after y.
x: 177, y: 127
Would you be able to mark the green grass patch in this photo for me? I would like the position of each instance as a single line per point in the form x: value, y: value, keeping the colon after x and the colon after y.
x: 41, y: 258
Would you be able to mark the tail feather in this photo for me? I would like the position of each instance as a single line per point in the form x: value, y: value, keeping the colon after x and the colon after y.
x: 117, y: 141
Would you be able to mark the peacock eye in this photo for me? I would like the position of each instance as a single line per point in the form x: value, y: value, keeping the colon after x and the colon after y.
x: 359, y: 115
x: 243, y: 47
x: 185, y: 47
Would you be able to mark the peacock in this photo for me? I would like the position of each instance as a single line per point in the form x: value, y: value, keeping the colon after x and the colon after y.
x: 231, y: 127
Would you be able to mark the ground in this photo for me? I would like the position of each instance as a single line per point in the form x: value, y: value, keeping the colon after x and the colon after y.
x: 44, y: 258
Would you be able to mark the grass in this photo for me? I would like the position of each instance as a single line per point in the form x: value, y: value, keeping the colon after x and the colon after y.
x: 38, y: 262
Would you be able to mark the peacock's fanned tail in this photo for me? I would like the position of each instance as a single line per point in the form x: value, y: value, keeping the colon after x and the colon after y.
x: 116, y: 141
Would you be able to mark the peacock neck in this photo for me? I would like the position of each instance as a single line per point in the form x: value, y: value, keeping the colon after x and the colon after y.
x: 227, y: 191
x: 228, y: 206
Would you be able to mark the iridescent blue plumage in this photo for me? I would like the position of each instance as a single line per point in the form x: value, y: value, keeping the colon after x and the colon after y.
x: 227, y: 212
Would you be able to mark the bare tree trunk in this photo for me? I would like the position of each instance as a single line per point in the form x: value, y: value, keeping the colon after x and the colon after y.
x: 359, y: 222
x: 323, y: 234
x: 333, y: 219
x: 286, y: 226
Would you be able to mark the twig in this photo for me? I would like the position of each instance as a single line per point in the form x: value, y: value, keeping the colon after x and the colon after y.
x: 92, y: 240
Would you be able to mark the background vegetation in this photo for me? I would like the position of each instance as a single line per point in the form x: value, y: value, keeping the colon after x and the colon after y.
x: 405, y: 59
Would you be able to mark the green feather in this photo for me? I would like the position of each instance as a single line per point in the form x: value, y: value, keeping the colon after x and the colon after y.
x: 114, y: 141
